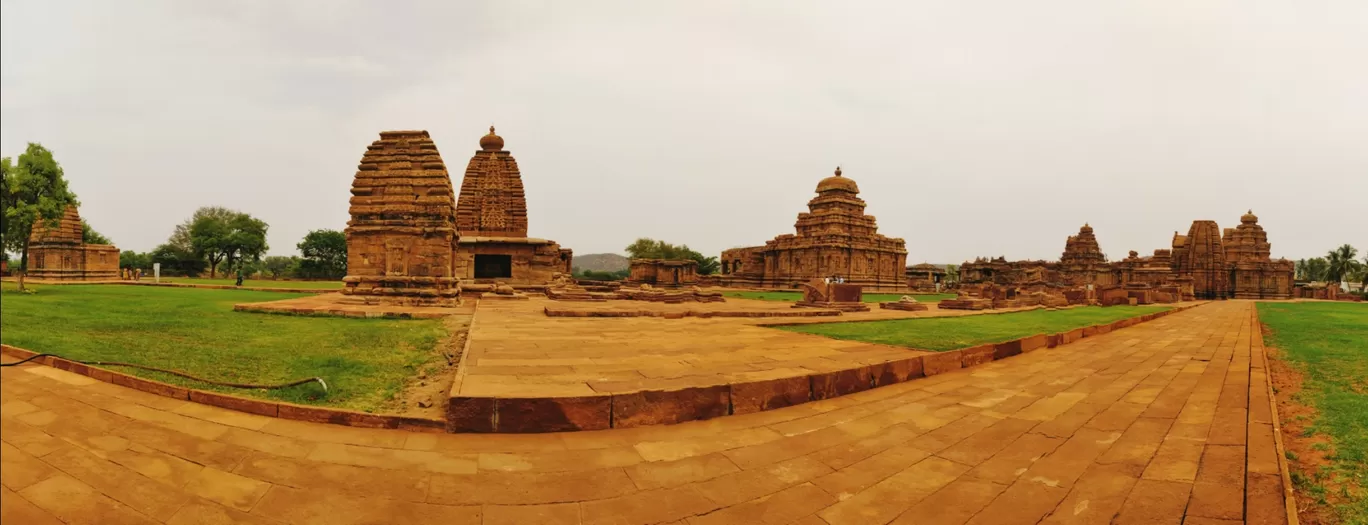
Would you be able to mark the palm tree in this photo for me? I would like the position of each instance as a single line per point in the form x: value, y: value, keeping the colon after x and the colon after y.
x: 1340, y: 263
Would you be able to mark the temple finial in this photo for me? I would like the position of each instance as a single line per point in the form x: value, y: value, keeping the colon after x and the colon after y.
x: 838, y: 171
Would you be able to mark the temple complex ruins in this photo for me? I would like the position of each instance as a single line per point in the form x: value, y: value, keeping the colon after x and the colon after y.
x: 662, y: 273
x: 1207, y: 263
x: 491, y: 218
x: 833, y: 239
x: 402, y: 233
x: 925, y: 277
x: 61, y: 254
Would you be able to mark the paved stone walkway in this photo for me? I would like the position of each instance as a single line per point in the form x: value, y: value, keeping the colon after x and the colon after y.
x: 517, y: 351
x: 1147, y: 424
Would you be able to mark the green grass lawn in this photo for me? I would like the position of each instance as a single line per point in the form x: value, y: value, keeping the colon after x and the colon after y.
x: 1328, y: 344
x: 950, y: 333
x: 258, y: 283
x: 196, y: 331
x: 793, y: 296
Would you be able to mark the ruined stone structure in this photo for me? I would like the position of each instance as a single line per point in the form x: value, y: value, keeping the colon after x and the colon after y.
x: 61, y: 254
x: 1207, y: 263
x: 925, y: 277
x: 819, y: 293
x: 833, y: 239
x: 491, y: 217
x: 402, y: 231
x: 662, y: 273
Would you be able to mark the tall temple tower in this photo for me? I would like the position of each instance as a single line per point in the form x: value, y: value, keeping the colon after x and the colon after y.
x: 833, y: 239
x: 403, y: 226
x: 491, y: 216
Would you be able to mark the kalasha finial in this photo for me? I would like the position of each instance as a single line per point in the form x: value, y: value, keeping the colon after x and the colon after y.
x: 838, y: 171
x: 491, y: 142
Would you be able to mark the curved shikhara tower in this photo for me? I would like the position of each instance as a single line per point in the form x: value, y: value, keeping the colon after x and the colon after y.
x: 402, y: 233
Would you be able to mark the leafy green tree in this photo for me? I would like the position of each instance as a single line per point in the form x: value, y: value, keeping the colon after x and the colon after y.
x: 90, y: 236
x: 645, y: 248
x: 1341, y: 263
x: 233, y: 238
x: 325, y: 254
x: 277, y: 265
x: 132, y: 259
x: 1312, y: 269
x: 34, y: 192
x: 177, y: 260
x: 951, y: 273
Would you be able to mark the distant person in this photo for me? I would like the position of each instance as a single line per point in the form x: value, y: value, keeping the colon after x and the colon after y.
x: 239, y: 274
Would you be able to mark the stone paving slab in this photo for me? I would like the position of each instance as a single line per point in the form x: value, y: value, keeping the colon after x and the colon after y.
x: 1117, y: 428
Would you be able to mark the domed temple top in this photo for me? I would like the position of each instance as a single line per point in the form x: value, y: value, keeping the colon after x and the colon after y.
x: 491, y: 142
x: 837, y: 182
x: 1249, y: 218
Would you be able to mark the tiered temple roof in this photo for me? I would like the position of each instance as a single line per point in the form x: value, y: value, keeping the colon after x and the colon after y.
x: 492, y: 202
x: 1082, y: 249
x: 67, y: 230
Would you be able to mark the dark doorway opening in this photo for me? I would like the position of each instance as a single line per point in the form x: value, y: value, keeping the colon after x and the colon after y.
x: 493, y: 266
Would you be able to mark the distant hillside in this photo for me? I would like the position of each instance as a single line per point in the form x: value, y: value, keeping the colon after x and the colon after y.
x: 600, y: 262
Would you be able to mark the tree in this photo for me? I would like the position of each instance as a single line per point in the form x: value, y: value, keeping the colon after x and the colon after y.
x: 181, y: 235
x: 34, y: 192
x: 325, y: 254
x: 951, y: 273
x: 175, y: 259
x: 645, y: 248
x: 277, y: 265
x: 90, y: 236
x: 231, y: 237
x: 132, y: 259
x: 1312, y: 269
x: 1340, y: 263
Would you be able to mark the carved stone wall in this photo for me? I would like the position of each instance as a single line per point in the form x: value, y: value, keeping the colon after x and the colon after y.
x: 402, y: 231
x: 833, y: 239
x: 61, y: 254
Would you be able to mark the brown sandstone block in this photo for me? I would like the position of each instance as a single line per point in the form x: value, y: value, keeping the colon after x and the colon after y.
x: 941, y: 362
x: 841, y: 382
x: 747, y: 398
x: 1035, y: 342
x: 977, y: 355
x: 151, y: 387
x: 654, y: 407
x: 100, y: 374
x: 334, y: 416
x: 240, y: 404
x: 469, y: 414
x: 553, y: 414
x: 1264, y: 500
x: 1006, y: 349
x: 897, y: 371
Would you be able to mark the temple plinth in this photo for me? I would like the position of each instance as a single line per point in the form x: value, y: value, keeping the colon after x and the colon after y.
x: 61, y: 254
x: 491, y: 216
x: 402, y: 231
x: 833, y: 239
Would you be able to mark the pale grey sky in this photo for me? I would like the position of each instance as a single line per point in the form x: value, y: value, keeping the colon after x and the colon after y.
x: 972, y: 127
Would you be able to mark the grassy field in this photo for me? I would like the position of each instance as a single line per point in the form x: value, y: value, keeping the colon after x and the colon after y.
x: 950, y: 333
x: 196, y: 331
x: 784, y: 295
x: 1328, y: 344
x: 259, y: 283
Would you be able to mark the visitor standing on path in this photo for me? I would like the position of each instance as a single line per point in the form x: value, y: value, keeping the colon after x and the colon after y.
x: 239, y: 274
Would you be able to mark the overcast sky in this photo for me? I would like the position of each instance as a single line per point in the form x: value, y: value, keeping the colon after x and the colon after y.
x: 972, y: 127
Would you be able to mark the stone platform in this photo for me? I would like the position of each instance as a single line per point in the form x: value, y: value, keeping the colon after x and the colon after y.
x: 1131, y: 427
x: 338, y: 305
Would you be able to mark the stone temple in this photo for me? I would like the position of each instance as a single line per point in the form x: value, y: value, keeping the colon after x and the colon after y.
x: 61, y: 254
x: 833, y: 239
x: 1207, y: 263
x: 402, y: 234
x: 491, y: 217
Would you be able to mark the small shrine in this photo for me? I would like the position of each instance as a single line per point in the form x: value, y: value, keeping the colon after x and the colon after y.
x: 61, y: 254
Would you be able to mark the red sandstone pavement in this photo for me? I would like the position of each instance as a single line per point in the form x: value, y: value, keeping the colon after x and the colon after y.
x: 1163, y: 422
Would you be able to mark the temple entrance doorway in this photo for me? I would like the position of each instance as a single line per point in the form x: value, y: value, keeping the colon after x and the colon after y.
x: 493, y: 266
